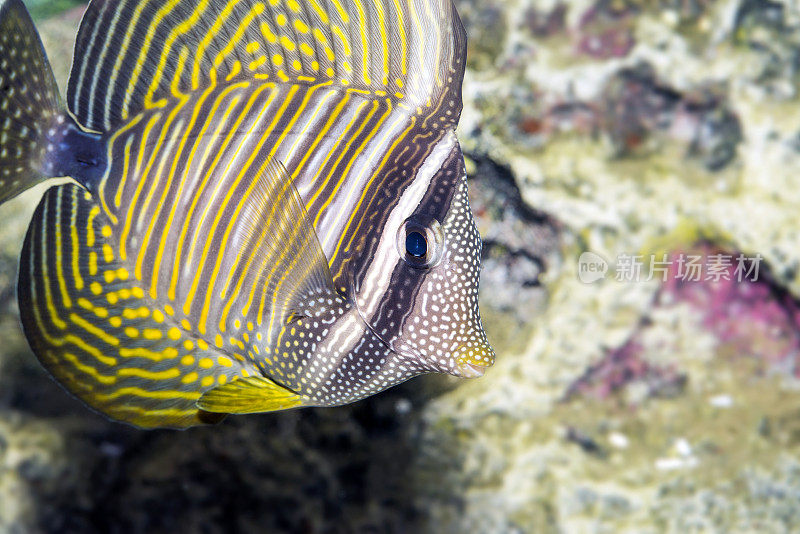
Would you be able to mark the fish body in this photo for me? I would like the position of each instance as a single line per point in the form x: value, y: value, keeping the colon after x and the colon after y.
x: 269, y: 207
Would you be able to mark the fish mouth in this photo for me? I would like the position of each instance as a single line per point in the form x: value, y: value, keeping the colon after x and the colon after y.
x: 474, y: 359
x: 471, y: 370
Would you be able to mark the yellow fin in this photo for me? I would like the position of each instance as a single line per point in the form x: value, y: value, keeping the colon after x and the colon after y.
x: 409, y: 51
x: 249, y: 395
x: 98, y: 332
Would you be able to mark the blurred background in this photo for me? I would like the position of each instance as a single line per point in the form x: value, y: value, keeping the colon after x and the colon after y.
x: 600, y: 135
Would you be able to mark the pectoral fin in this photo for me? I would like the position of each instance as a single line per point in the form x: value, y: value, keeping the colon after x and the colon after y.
x: 249, y: 395
x: 279, y: 265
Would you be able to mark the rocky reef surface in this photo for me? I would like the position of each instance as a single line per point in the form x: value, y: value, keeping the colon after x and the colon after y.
x: 638, y: 131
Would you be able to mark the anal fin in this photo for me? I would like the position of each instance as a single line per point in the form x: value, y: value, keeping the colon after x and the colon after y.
x: 98, y: 332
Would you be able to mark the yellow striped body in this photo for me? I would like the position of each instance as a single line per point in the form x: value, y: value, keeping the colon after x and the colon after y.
x: 85, y: 314
x: 248, y: 175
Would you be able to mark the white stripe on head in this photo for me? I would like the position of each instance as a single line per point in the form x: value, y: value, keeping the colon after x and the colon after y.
x: 379, y: 272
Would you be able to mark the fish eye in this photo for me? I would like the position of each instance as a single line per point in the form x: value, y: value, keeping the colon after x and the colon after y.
x: 416, y: 244
x: 420, y: 242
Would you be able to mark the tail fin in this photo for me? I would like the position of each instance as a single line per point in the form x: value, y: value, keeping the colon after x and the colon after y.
x: 29, y: 103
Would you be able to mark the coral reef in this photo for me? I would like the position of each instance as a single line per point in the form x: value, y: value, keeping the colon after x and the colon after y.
x: 641, y: 404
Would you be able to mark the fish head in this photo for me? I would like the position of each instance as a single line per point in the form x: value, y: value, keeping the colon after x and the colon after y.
x: 426, y: 307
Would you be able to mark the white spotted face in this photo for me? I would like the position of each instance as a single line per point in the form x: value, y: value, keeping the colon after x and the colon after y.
x: 443, y: 326
x: 425, y: 306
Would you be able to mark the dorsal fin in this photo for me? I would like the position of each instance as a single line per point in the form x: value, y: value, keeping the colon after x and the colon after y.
x: 133, y: 55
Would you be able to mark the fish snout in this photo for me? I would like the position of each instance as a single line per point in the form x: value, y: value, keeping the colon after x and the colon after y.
x: 472, y: 359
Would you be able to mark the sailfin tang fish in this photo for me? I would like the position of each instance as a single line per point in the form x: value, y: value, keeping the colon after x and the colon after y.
x: 268, y: 208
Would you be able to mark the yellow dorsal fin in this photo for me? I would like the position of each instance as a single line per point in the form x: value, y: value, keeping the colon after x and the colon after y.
x: 137, y: 54
x: 249, y: 395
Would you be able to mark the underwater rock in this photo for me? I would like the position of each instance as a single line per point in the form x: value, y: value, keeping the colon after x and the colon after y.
x: 546, y: 23
x: 732, y: 296
x: 340, y: 470
x: 741, y: 305
x: 606, y: 30
x: 770, y: 31
x: 624, y: 367
x: 486, y: 20
x: 34, y: 472
x: 638, y: 107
